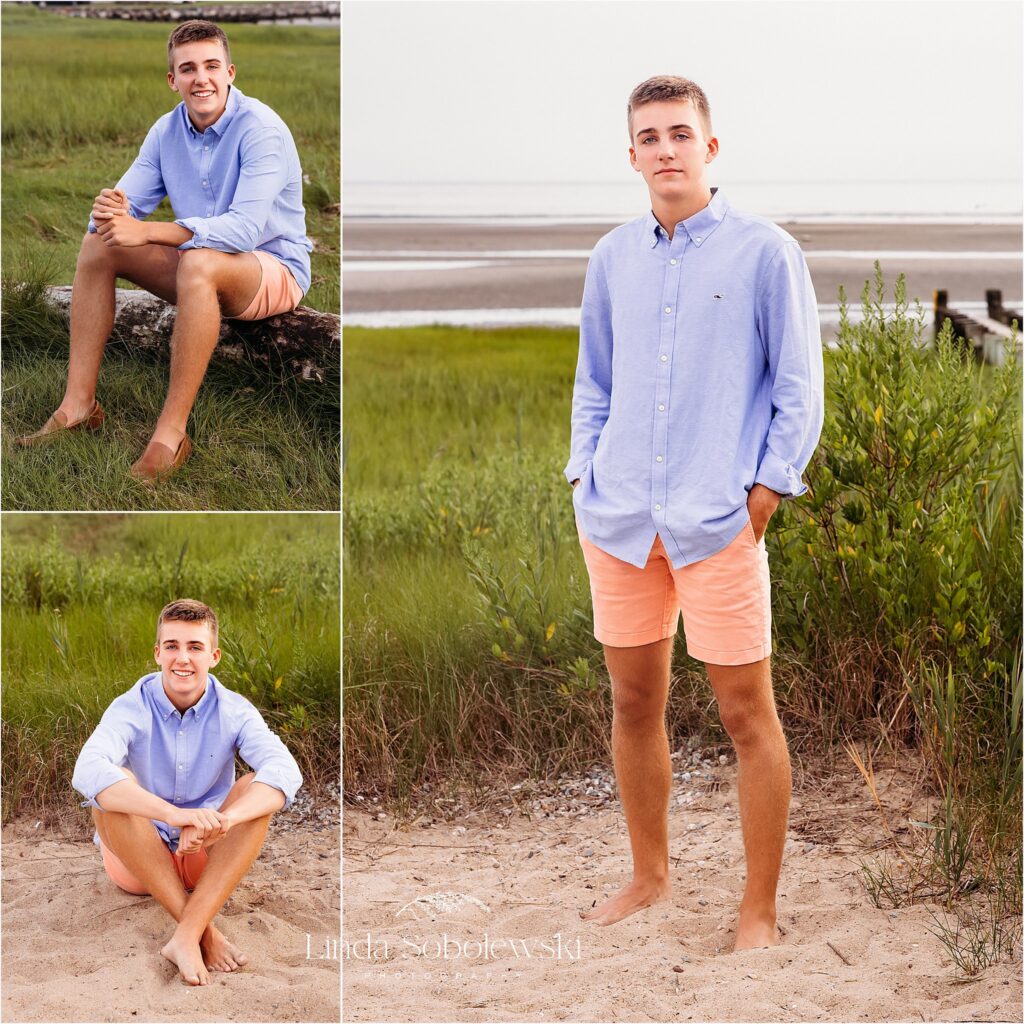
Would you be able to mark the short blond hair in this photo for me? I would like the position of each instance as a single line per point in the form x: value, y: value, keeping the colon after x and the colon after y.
x: 669, y: 87
x: 186, y: 610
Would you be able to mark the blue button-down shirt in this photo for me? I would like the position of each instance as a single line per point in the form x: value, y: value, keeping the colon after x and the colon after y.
x: 699, y: 375
x: 186, y: 759
x: 236, y: 186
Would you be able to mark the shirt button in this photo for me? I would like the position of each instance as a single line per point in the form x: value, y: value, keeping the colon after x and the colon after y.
x: 181, y: 732
x: 180, y: 766
x: 698, y: 239
x: 659, y: 459
x: 204, y: 182
x: 657, y: 508
x: 661, y: 408
x: 673, y: 262
x: 668, y: 309
x: 664, y: 359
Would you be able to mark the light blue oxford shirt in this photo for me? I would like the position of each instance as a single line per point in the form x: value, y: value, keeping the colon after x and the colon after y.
x: 699, y: 374
x: 236, y: 186
x: 186, y: 759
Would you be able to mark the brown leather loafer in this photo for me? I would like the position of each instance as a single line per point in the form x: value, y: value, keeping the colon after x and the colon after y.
x: 58, y: 423
x: 158, y: 461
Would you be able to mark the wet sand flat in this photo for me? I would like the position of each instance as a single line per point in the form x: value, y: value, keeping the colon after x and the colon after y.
x: 557, y: 282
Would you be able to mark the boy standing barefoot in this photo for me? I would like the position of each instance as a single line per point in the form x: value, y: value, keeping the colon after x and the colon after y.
x: 159, y: 775
x: 698, y: 403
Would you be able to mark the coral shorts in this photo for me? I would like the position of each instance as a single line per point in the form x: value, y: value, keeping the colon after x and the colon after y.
x: 725, y: 600
x: 278, y: 292
x: 189, y: 868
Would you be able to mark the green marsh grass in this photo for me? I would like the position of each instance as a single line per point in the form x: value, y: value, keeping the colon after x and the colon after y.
x: 79, y: 96
x: 468, y: 650
x: 80, y: 599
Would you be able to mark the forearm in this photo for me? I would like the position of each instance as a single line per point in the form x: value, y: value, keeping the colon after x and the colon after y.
x: 129, y: 797
x: 161, y: 233
x: 257, y: 801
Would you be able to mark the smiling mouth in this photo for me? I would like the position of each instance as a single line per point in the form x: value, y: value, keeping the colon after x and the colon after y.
x: 203, y: 95
x: 182, y: 675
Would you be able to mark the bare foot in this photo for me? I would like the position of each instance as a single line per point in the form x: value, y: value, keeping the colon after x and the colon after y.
x: 219, y: 954
x: 635, y: 896
x: 755, y: 931
x: 188, y: 959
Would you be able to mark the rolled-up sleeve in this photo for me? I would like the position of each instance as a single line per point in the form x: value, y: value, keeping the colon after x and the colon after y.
x: 267, y: 755
x: 143, y: 182
x: 592, y: 390
x: 791, y: 334
x: 98, y: 765
x: 263, y: 174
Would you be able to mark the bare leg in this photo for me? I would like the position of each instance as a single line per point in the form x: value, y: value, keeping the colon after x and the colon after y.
x: 207, y: 282
x: 747, y: 707
x: 229, y: 860
x: 138, y: 845
x: 643, y: 770
x: 153, y: 267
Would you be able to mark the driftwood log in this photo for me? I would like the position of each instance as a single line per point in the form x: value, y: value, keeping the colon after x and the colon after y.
x: 208, y: 12
x: 304, y: 342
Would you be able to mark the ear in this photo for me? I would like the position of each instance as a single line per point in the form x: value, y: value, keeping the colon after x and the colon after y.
x: 156, y: 653
x: 171, y: 82
x: 215, y: 657
x: 632, y: 159
x: 231, y: 73
x: 712, y: 149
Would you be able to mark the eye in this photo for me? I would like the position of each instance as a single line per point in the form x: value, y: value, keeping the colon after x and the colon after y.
x: 682, y: 135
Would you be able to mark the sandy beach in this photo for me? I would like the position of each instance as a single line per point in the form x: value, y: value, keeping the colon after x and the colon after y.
x: 476, y: 918
x: 964, y: 259
x: 77, y: 948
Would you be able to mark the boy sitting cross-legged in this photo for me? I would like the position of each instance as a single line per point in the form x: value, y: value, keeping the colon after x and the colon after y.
x: 158, y: 773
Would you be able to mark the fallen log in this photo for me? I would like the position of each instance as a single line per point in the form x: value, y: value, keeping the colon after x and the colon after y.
x: 305, y: 342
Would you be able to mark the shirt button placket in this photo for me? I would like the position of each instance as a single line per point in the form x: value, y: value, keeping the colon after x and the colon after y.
x: 179, y: 760
x: 662, y: 390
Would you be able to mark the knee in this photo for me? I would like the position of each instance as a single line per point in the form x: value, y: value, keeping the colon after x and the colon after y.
x: 94, y: 252
x: 635, y: 705
x: 749, y: 723
x: 197, y: 267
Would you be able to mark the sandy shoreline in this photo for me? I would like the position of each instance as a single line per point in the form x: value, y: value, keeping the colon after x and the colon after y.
x: 558, y: 282
x: 77, y: 948
x: 529, y: 872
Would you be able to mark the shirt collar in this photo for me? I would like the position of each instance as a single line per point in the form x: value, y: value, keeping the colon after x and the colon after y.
x: 222, y: 122
x: 698, y: 227
x: 166, y: 708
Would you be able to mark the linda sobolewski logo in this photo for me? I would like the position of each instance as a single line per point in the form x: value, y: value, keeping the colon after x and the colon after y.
x: 448, y: 947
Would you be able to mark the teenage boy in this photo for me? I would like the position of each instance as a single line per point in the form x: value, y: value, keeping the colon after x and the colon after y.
x: 697, y: 405
x: 159, y: 775
x: 238, y: 248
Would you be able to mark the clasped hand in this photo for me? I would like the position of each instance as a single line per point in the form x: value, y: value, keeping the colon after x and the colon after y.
x: 114, y: 222
x: 200, y: 827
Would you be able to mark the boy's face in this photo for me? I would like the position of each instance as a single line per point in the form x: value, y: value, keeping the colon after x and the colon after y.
x: 185, y: 653
x: 669, y: 149
x: 202, y: 75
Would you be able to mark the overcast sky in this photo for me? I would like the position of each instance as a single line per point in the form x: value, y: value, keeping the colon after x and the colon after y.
x: 799, y: 91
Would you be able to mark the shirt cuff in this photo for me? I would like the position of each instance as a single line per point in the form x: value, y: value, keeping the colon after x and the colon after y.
x: 574, y: 471
x: 107, y: 778
x: 289, y: 786
x: 198, y: 239
x: 779, y: 476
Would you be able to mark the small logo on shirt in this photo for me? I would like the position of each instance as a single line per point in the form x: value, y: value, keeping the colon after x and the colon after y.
x: 716, y: 296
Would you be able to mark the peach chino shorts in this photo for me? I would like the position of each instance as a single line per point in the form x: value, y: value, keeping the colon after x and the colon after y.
x: 189, y: 868
x: 725, y: 600
x: 278, y: 292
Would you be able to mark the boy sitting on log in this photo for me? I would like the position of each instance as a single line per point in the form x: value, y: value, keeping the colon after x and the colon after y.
x: 238, y: 247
